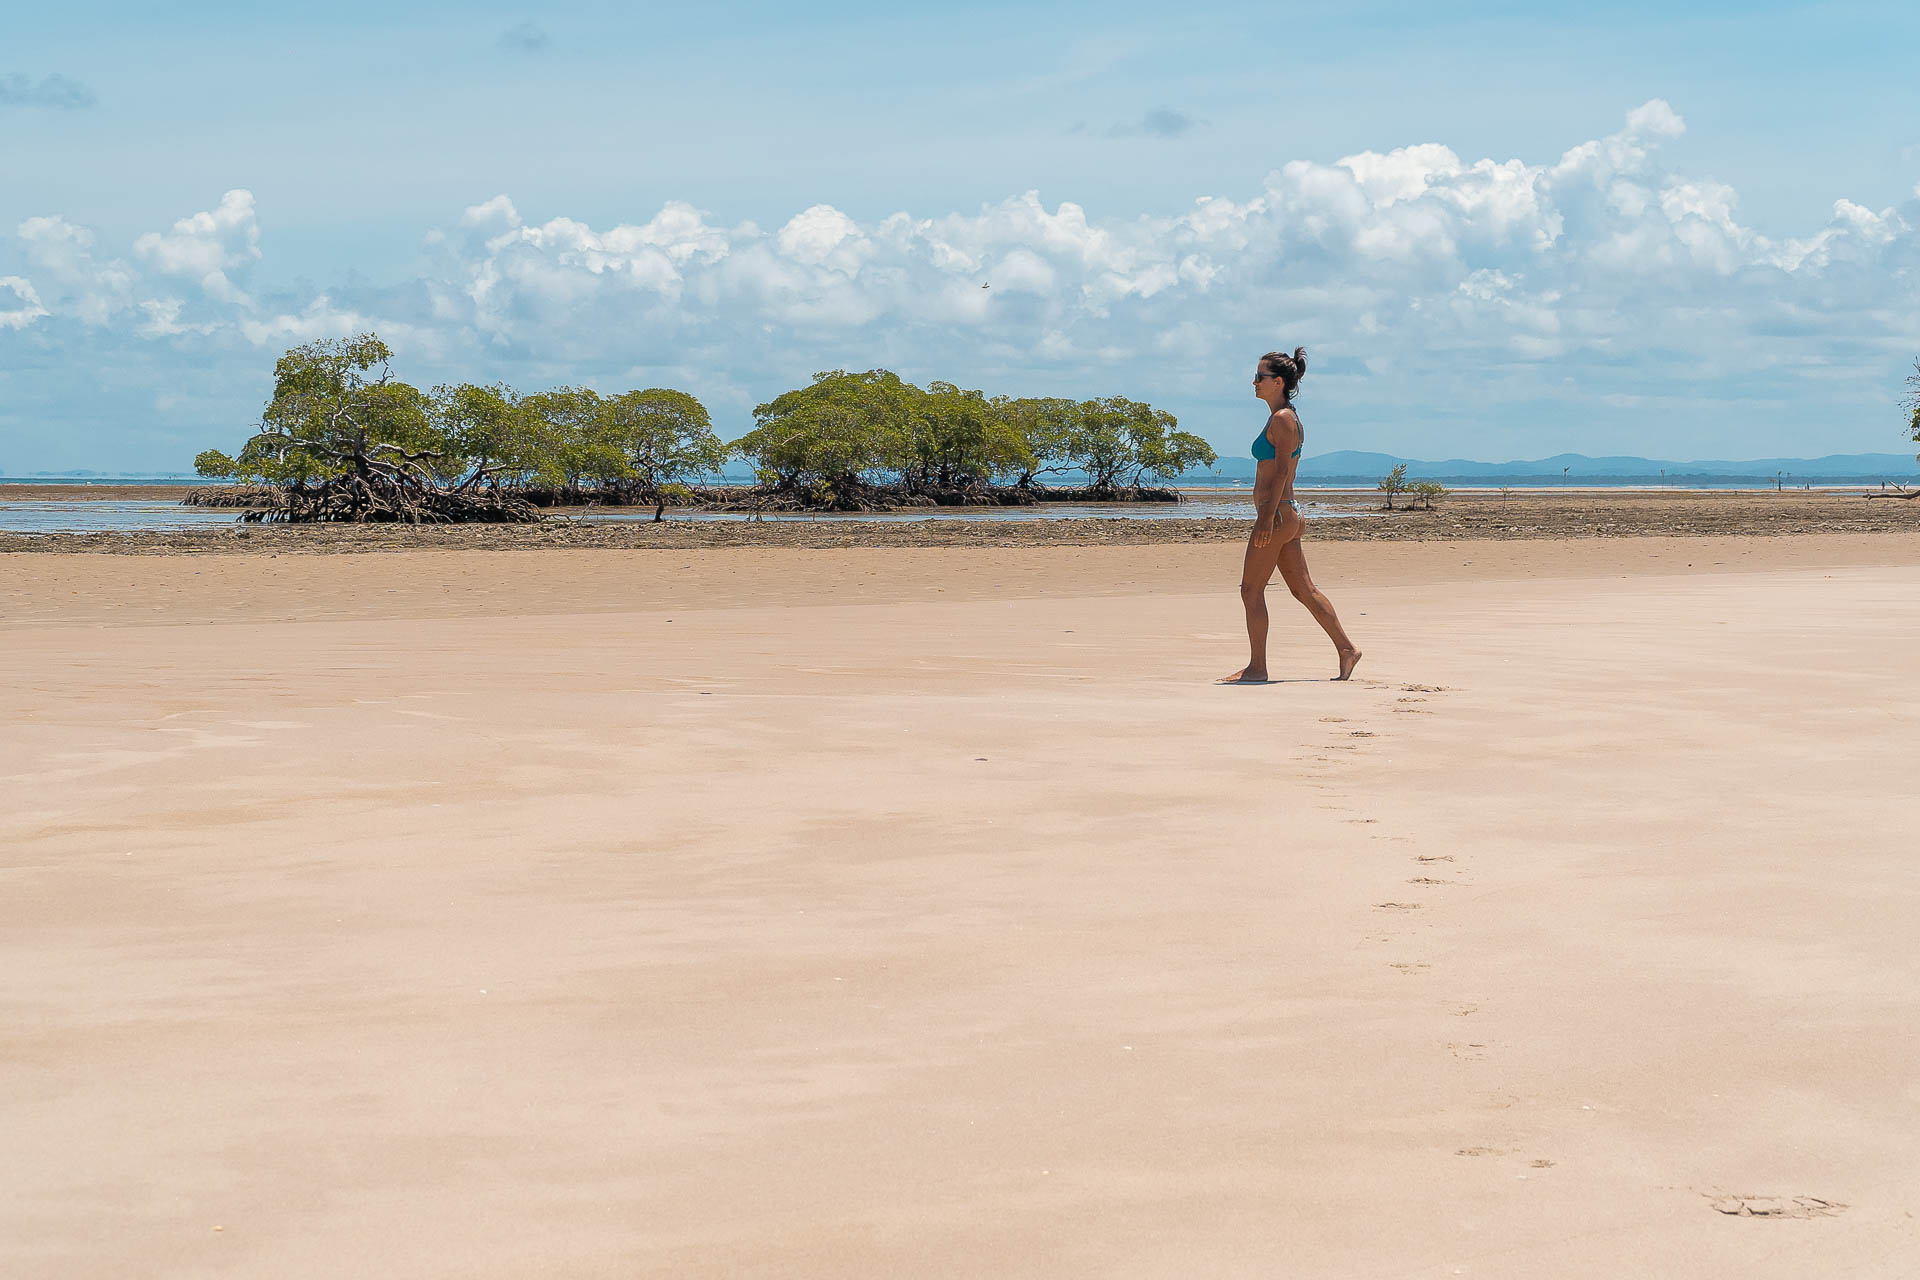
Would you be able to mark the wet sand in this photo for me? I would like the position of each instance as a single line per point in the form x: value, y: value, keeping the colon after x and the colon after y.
x: 926, y: 911
x: 1351, y: 516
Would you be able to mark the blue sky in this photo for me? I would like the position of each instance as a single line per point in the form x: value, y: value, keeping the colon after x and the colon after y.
x: 1680, y: 231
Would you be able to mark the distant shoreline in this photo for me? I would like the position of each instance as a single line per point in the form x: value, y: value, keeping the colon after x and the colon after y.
x: 1574, y: 514
x: 13, y: 490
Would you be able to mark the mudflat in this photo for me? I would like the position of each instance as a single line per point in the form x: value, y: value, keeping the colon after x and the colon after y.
x: 1336, y: 516
x: 881, y: 911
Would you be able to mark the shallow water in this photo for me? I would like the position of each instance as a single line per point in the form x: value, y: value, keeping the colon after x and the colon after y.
x: 139, y: 517
x: 106, y: 517
x: 1045, y: 511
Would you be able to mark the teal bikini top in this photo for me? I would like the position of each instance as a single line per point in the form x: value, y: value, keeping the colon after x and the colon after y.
x: 1263, y: 448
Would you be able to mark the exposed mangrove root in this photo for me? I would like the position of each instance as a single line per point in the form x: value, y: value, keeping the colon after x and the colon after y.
x: 385, y: 497
x: 575, y: 495
x: 840, y: 493
x: 387, y: 494
x: 1118, y: 493
x: 235, y: 495
x: 855, y: 494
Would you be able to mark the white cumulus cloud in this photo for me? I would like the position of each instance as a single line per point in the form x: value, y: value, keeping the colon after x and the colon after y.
x: 824, y: 236
x: 26, y: 306
x: 1508, y: 280
x: 61, y: 256
x: 205, y: 246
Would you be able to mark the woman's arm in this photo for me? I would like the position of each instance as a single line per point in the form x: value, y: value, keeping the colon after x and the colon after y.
x: 1267, y: 481
x: 1266, y: 501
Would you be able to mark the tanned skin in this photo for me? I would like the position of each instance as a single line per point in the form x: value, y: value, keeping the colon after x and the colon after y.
x: 1275, y: 541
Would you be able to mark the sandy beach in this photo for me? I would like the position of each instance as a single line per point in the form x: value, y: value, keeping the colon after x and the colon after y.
x: 884, y: 911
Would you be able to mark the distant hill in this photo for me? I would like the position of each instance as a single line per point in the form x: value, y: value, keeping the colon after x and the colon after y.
x: 102, y: 475
x: 1350, y: 464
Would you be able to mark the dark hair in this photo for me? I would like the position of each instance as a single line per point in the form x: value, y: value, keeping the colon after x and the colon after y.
x: 1288, y: 368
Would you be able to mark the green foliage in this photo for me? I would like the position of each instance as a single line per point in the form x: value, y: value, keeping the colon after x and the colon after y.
x: 214, y: 464
x: 575, y: 438
x: 339, y: 418
x: 1913, y: 405
x: 639, y: 442
x: 960, y: 440
x: 846, y: 433
x: 1116, y: 441
x: 666, y: 439
x: 1394, y: 482
x: 832, y: 439
x: 490, y: 437
x: 1427, y: 491
x: 336, y: 409
x: 1181, y: 452
x: 340, y: 425
x: 1046, y: 427
x: 1107, y: 438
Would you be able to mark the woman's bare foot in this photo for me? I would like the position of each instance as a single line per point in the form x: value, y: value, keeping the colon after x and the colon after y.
x: 1246, y: 675
x: 1349, y: 659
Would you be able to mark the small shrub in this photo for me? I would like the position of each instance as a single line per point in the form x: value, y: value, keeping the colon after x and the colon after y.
x: 1395, y: 481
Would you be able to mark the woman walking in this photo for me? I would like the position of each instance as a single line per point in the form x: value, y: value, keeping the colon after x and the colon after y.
x: 1277, y: 523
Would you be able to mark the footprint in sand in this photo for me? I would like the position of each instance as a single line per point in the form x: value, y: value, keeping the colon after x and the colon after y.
x: 1430, y: 880
x: 1434, y: 857
x: 1467, y: 1052
x: 1360, y: 733
x: 1480, y: 1151
x: 1396, y: 906
x: 1775, y: 1206
x: 1410, y: 966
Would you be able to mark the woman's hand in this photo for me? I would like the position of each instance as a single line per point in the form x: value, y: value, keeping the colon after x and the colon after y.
x: 1263, y: 532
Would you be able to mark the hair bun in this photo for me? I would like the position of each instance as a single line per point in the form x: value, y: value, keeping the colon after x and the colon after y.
x: 1288, y: 368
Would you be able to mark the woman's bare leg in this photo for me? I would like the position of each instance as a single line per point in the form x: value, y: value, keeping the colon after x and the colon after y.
x: 1293, y: 568
x: 1255, y: 572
